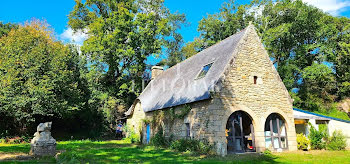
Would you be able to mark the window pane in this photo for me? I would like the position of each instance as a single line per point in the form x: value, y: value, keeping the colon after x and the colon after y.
x: 283, y: 142
x: 274, y: 127
x: 267, y: 133
x: 276, y: 142
x: 282, y: 128
x: 188, y: 130
x: 268, y: 142
x: 204, y: 71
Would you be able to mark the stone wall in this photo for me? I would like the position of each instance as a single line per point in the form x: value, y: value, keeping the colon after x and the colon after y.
x: 259, y: 100
x: 135, y: 122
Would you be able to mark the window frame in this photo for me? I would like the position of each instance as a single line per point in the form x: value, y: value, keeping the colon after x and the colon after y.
x: 276, y: 117
x: 199, y: 76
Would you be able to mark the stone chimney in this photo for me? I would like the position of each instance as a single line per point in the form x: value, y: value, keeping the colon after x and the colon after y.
x: 156, y: 70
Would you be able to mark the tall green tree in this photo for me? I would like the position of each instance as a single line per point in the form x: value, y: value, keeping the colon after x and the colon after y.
x: 339, y: 54
x: 122, y: 34
x: 38, y: 78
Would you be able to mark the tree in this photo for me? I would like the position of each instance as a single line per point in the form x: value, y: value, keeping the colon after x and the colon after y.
x: 39, y: 78
x: 6, y: 28
x: 122, y: 34
x: 318, y: 86
x: 340, y: 56
x: 229, y: 21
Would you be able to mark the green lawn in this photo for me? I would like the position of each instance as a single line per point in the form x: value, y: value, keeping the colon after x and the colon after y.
x: 124, y: 152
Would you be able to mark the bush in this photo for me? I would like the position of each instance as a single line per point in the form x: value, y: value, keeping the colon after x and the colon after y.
x: 303, y: 142
x: 159, y: 140
x: 196, y: 146
x: 337, y: 141
x: 131, y: 135
x: 2, y: 140
x: 316, y: 138
x: 267, y: 152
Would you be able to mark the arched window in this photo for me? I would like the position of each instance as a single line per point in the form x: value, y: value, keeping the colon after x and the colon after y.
x: 275, y: 132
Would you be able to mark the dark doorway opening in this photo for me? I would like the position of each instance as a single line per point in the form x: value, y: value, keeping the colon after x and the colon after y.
x: 240, y: 133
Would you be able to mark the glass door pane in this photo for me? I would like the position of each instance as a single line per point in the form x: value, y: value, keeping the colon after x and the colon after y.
x: 284, y: 142
x: 268, y: 142
x: 276, y: 142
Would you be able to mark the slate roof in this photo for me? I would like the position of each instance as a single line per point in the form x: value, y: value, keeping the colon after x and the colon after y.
x: 178, y: 85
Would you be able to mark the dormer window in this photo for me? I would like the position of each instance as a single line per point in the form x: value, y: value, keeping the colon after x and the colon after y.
x: 204, y: 71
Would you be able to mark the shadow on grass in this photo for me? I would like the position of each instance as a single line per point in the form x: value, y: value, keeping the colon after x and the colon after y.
x: 102, y: 152
x: 95, y: 152
x: 123, y: 152
x: 243, y: 158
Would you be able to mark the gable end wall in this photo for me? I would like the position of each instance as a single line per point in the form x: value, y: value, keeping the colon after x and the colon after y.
x: 259, y: 100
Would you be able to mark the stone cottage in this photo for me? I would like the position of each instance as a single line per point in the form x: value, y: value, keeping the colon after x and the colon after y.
x: 229, y: 94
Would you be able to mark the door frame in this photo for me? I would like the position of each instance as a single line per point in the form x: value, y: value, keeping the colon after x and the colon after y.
x: 238, y: 117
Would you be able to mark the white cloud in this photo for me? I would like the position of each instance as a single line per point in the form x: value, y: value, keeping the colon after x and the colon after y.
x: 77, y: 37
x: 333, y: 7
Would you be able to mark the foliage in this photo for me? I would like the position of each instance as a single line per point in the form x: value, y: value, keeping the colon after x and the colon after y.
x: 177, y: 113
x: 267, y: 152
x: 303, y: 142
x: 319, y: 84
x: 192, y: 145
x: 6, y: 28
x: 337, y: 141
x: 159, y: 139
x: 183, y: 111
x: 122, y: 34
x: 334, y: 112
x: 316, y: 137
x: 131, y: 135
x: 39, y: 77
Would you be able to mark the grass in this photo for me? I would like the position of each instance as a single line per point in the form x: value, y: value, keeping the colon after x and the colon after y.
x: 123, y: 152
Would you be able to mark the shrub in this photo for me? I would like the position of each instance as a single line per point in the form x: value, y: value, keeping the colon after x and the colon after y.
x: 303, y: 142
x: 267, y: 152
x: 316, y: 138
x: 196, y: 146
x: 159, y: 140
x: 2, y: 140
x: 337, y: 141
x: 131, y: 135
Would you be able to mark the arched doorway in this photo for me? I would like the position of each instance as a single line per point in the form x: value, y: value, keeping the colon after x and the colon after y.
x: 240, y: 133
x: 275, y: 132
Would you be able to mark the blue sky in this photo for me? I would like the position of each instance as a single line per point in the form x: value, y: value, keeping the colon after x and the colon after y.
x: 55, y: 13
